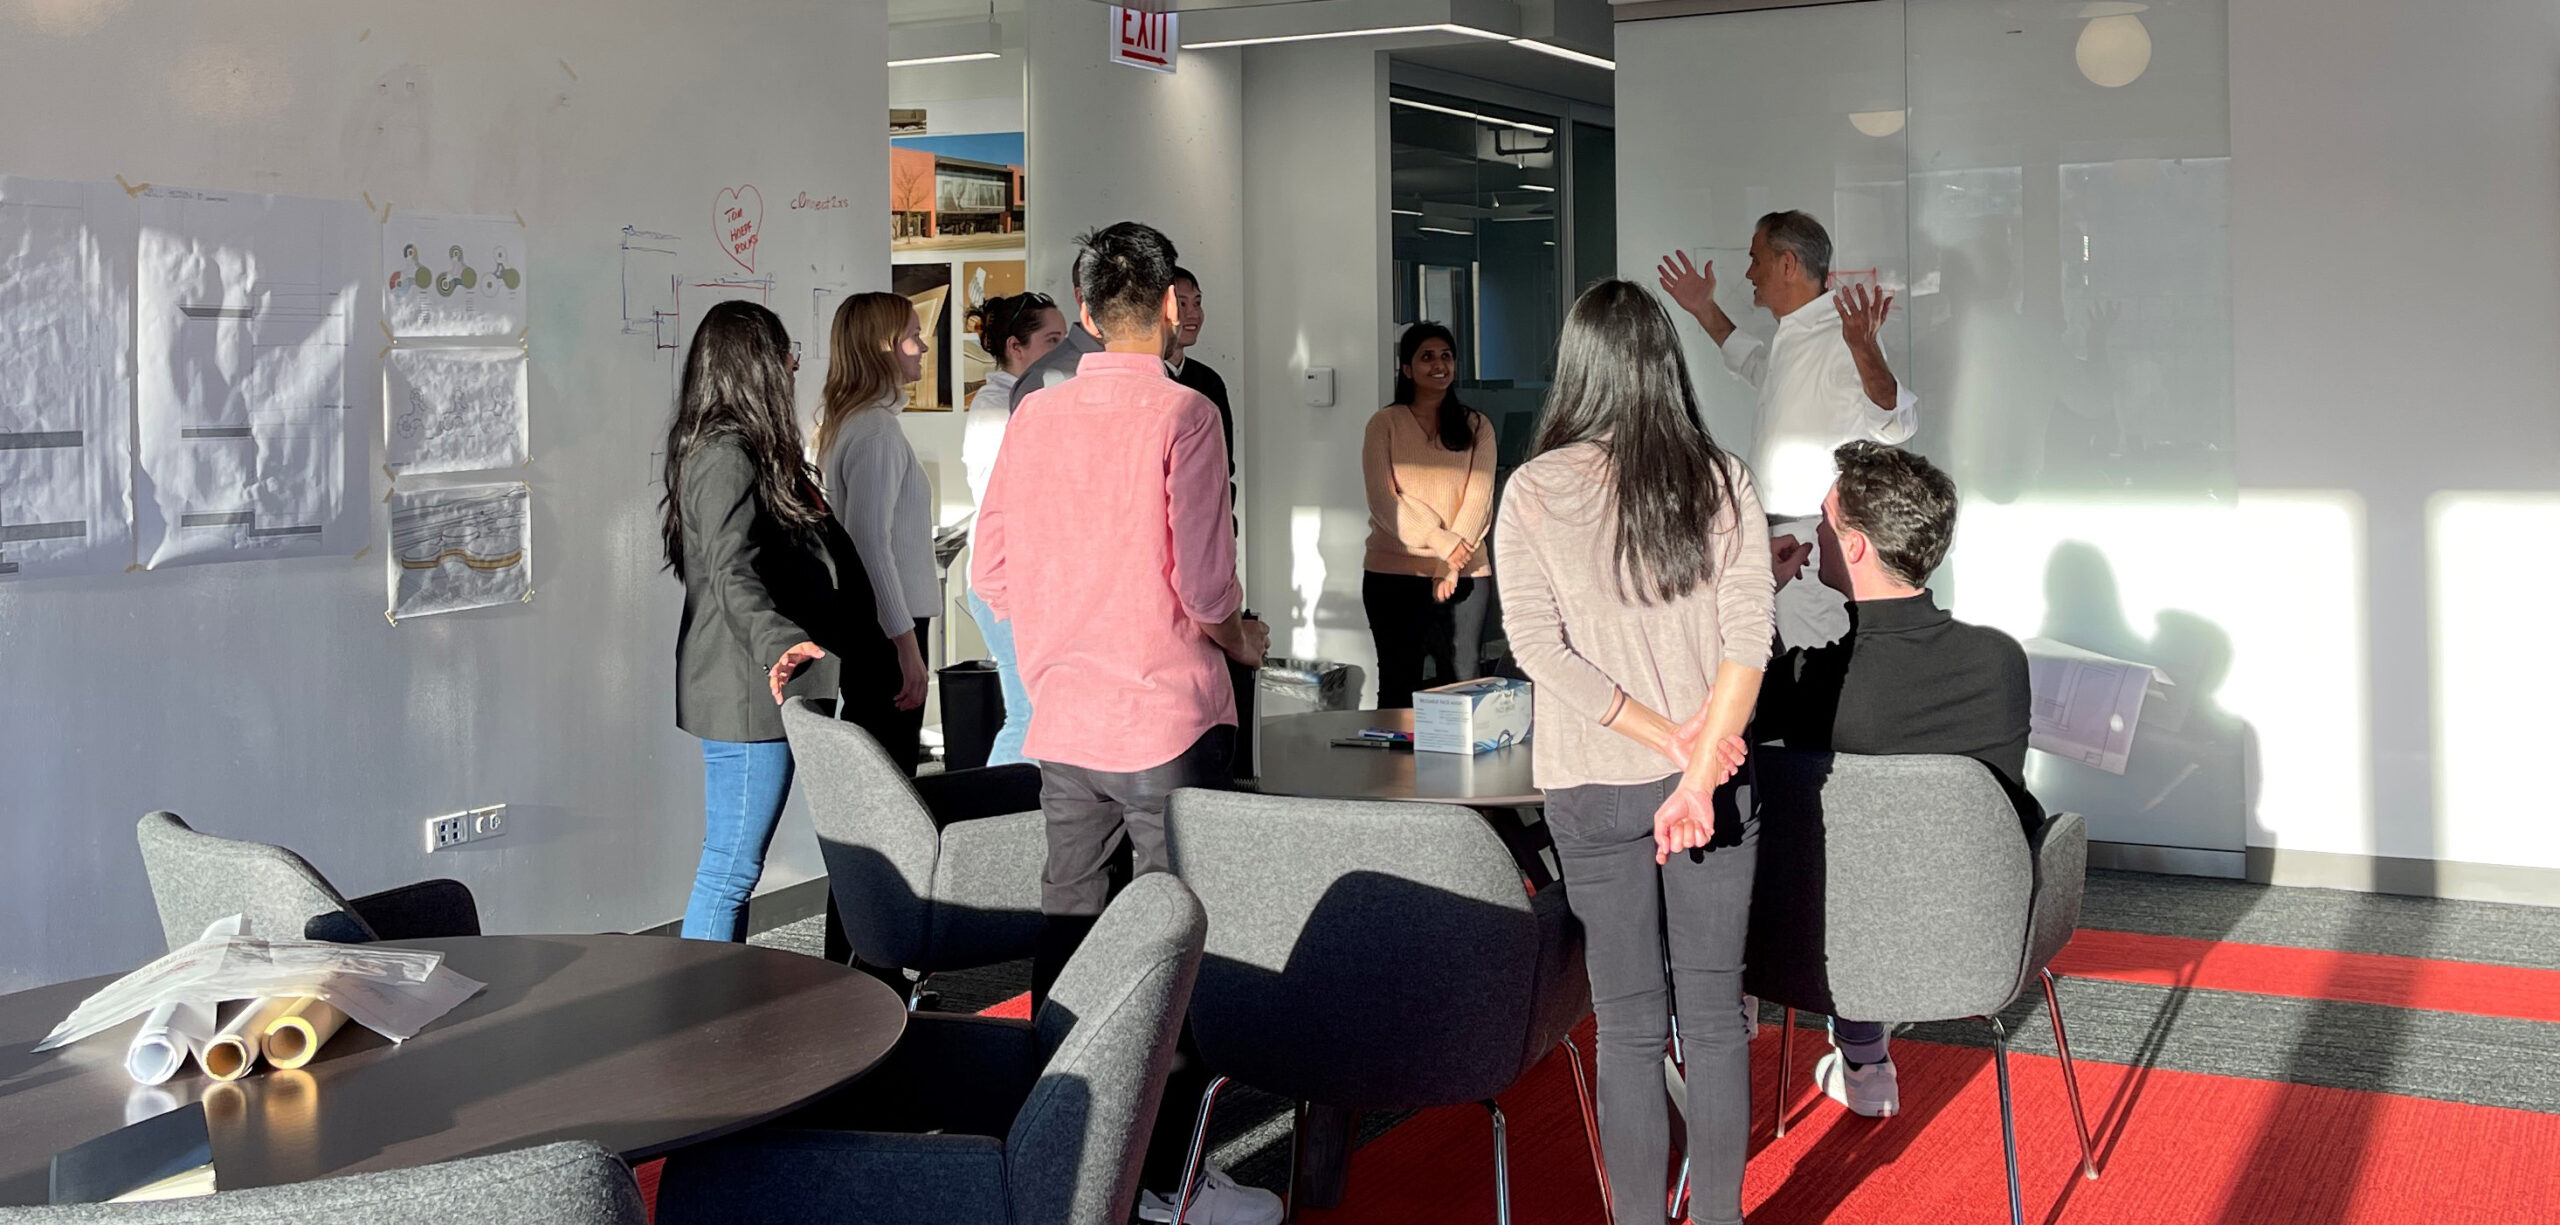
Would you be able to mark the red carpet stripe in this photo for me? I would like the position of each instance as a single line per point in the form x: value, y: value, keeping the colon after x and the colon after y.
x: 2174, y: 1146
x: 2315, y: 974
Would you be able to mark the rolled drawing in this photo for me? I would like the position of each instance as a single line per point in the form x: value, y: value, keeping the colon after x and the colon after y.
x: 294, y: 1037
x: 234, y: 1051
x: 171, y: 1034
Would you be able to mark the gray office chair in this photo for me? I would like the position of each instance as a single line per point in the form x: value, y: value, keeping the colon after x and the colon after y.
x: 981, y: 1121
x: 1899, y: 888
x: 577, y: 1183
x: 1374, y: 956
x: 198, y: 878
x: 930, y: 874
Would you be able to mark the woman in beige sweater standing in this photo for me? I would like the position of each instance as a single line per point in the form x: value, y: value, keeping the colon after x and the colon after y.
x: 1637, y: 589
x: 1428, y: 462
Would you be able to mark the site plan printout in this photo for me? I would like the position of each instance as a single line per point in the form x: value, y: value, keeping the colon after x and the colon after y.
x: 2085, y: 704
x: 244, y: 314
x: 66, y: 352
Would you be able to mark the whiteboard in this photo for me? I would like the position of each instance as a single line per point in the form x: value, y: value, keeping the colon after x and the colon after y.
x: 270, y: 699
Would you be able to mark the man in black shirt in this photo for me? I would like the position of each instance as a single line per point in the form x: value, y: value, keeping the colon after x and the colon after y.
x: 1197, y: 376
x: 1908, y: 678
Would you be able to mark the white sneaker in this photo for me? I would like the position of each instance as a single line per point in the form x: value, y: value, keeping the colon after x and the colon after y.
x: 1750, y: 1018
x: 1871, y: 1091
x: 1215, y: 1200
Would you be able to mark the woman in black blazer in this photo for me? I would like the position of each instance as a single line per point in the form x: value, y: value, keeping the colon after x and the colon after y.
x: 775, y: 599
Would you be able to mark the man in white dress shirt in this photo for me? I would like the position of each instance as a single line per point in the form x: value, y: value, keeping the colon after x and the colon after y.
x: 1822, y: 380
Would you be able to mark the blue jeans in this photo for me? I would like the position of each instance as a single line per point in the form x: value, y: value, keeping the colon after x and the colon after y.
x: 1017, y: 699
x: 743, y: 786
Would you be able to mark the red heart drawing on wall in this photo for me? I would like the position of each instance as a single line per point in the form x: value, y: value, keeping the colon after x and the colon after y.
x: 738, y: 217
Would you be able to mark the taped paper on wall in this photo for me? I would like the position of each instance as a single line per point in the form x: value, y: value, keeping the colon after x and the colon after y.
x: 454, y: 410
x: 243, y: 309
x: 2085, y: 705
x: 66, y: 354
x: 470, y: 546
x: 446, y: 275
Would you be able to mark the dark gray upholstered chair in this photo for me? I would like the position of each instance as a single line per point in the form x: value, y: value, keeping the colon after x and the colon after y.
x: 1373, y: 956
x: 199, y: 878
x: 1898, y: 888
x: 577, y: 1183
x: 930, y: 874
x: 981, y: 1121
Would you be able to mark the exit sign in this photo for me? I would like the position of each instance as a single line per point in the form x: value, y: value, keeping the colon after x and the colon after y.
x: 1142, y: 39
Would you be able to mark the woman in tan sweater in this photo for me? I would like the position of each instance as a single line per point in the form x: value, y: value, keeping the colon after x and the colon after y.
x: 1428, y: 462
x: 1637, y: 589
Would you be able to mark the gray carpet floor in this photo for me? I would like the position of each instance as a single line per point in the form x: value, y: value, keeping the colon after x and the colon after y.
x: 2443, y: 1055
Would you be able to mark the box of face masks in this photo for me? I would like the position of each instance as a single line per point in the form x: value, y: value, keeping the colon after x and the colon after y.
x: 1476, y: 716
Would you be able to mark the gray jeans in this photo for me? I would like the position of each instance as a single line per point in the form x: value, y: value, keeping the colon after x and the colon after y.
x: 1692, y: 914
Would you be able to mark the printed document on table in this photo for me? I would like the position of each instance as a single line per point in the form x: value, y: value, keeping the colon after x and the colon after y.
x: 244, y: 315
x: 454, y: 410
x: 453, y: 276
x: 66, y: 361
x: 470, y: 546
x: 2085, y: 704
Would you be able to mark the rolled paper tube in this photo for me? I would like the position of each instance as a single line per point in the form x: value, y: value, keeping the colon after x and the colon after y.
x: 234, y: 1051
x: 295, y: 1036
x: 158, y: 1049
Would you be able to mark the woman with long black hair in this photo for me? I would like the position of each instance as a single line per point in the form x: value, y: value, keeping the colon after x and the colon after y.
x: 1427, y: 460
x: 775, y: 602
x: 1637, y: 591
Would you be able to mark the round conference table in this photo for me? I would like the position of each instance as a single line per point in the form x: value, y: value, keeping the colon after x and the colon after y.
x: 1298, y: 757
x: 643, y: 1044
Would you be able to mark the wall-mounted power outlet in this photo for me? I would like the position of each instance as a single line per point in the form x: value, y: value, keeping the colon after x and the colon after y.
x: 470, y: 825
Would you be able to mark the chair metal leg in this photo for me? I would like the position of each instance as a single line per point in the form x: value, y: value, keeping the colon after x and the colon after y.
x: 2071, y: 1082
x: 1501, y: 1166
x: 2008, y: 1121
x: 1590, y: 1128
x: 1199, y: 1144
x: 1786, y: 1055
x: 915, y: 995
x: 1289, y: 1191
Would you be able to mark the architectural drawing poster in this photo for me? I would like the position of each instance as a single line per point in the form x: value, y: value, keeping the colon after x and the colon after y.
x: 242, y: 310
x: 468, y: 546
x: 454, y: 410
x: 66, y: 352
x: 447, y: 275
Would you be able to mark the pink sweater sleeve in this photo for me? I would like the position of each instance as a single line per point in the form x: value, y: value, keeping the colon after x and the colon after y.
x: 1204, y: 545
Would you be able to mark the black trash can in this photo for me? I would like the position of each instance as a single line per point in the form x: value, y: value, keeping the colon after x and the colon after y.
x: 972, y: 713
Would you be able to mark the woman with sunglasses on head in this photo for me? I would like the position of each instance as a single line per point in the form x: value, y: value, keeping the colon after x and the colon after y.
x: 1637, y: 590
x: 1016, y: 332
x: 1427, y: 460
x: 775, y: 600
x: 876, y: 350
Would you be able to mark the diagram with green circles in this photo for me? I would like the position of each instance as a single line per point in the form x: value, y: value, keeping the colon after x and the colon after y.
x: 453, y: 276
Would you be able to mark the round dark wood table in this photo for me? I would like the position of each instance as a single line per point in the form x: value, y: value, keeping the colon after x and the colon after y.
x: 643, y: 1044
x: 1298, y: 757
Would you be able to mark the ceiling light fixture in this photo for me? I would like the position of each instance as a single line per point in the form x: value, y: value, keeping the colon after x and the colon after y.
x: 1405, y: 212
x: 1566, y: 53
x: 1535, y: 187
x: 946, y: 59
x: 1433, y: 229
x: 1438, y: 109
x: 1372, y: 32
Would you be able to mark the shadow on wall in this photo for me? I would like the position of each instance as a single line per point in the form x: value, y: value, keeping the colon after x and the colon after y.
x: 2189, y: 779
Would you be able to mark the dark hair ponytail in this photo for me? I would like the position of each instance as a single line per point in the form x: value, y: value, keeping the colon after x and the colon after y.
x: 1005, y: 321
x: 1457, y: 421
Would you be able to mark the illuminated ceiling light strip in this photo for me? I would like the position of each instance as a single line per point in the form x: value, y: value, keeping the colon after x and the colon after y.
x: 1433, y: 229
x: 947, y: 59
x: 1565, y: 53
x: 1437, y: 109
x: 1406, y: 212
x: 1372, y: 32
x: 1535, y: 187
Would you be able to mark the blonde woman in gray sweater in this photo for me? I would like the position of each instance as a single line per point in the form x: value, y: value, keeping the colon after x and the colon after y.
x: 1634, y: 562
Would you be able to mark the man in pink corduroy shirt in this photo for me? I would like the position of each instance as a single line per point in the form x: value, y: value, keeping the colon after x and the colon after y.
x: 1104, y: 538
